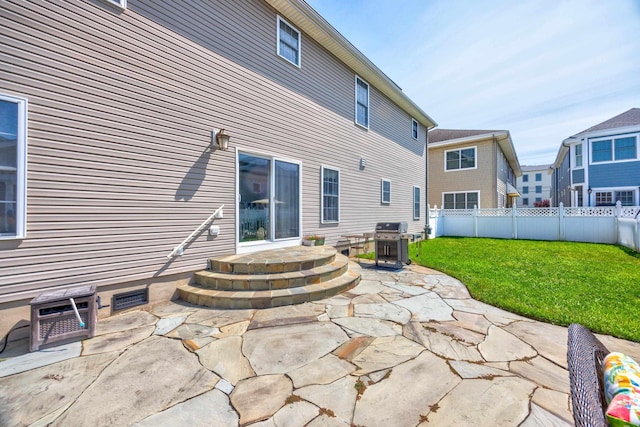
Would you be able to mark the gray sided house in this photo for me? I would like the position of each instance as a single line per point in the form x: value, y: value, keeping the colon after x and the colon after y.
x: 109, y: 111
x: 601, y: 165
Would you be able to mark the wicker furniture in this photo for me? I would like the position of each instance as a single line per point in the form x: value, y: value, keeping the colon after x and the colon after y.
x: 584, y: 358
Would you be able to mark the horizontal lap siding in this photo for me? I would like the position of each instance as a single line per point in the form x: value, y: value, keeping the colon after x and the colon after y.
x: 121, y: 108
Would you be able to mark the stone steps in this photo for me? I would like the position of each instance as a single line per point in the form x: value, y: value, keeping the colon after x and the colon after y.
x: 199, y: 295
x: 272, y: 281
x: 272, y: 278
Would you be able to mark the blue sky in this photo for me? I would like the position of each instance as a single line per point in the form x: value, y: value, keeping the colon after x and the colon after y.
x: 543, y: 69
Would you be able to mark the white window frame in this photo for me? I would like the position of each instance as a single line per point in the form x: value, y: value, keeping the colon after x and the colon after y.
x: 613, y: 139
x: 463, y: 192
x: 475, y: 159
x: 578, y: 156
x: 415, y: 129
x: 323, y: 220
x: 21, y: 168
x: 417, y: 203
x: 384, y: 201
x: 368, y: 106
x: 299, y: 47
x: 122, y: 4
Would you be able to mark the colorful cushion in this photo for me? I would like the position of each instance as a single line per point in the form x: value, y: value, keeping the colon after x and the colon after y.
x: 621, y: 374
x: 624, y: 410
x: 622, y: 390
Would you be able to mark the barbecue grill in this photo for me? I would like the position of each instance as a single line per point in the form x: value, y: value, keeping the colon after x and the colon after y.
x: 392, y: 244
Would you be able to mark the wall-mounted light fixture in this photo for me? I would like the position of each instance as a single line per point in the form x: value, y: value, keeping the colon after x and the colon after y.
x: 589, y: 191
x: 220, y: 139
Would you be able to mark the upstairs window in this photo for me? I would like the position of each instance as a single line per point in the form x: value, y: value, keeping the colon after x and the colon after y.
x: 525, y: 178
x: 538, y: 177
x: 288, y: 42
x: 330, y: 195
x: 414, y: 129
x: 579, y: 155
x: 385, y: 191
x: 525, y: 189
x: 460, y: 159
x: 607, y: 150
x: 13, y: 165
x: 538, y: 188
x: 122, y: 4
x: 362, y: 102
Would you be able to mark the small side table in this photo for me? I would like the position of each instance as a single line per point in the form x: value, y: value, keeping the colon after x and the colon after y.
x: 54, y: 321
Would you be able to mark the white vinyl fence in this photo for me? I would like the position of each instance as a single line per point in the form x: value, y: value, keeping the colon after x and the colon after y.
x: 603, y: 224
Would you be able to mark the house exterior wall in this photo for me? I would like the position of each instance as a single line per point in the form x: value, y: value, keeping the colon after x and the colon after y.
x: 481, y: 179
x: 532, y: 195
x: 561, y: 183
x: 610, y: 177
x: 122, y: 104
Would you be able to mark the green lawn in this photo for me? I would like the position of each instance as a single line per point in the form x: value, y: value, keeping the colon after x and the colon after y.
x: 556, y: 282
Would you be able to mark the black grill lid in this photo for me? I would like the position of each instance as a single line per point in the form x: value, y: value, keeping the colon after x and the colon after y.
x: 398, y: 227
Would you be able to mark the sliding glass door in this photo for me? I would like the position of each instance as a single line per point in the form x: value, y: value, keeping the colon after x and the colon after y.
x: 269, y: 206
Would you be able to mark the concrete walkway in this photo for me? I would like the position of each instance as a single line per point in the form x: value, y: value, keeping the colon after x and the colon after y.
x: 403, y: 348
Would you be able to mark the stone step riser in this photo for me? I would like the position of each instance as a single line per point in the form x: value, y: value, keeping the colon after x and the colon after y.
x: 260, y: 282
x: 269, y: 267
x: 268, y: 299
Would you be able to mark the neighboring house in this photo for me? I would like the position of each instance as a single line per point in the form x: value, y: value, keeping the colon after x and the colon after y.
x: 601, y: 165
x: 470, y: 168
x: 534, y: 185
x: 110, y: 111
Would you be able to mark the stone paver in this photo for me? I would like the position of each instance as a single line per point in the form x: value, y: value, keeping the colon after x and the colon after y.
x: 224, y: 357
x: 209, y: 409
x: 283, y: 349
x: 405, y: 347
x: 138, y: 384
x: 258, y: 398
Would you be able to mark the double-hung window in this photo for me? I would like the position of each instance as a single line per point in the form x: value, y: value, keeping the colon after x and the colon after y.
x: 460, y: 200
x: 362, y: 102
x: 538, y: 177
x: 330, y: 195
x: 414, y: 129
x: 385, y: 191
x: 13, y: 167
x: 416, y: 202
x: 579, y: 155
x: 538, y: 188
x: 464, y: 158
x: 289, y: 45
x: 525, y: 178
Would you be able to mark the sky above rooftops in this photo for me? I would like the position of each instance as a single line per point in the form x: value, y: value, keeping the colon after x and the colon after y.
x: 543, y: 69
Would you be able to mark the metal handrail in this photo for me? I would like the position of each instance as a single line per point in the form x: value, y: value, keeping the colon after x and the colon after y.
x: 178, y: 250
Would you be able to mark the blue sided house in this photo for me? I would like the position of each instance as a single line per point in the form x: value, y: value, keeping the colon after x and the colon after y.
x: 601, y: 165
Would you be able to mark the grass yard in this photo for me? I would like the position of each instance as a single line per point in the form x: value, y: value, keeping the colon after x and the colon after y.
x: 556, y: 282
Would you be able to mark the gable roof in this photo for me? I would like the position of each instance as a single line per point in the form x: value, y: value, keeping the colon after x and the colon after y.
x: 438, y: 135
x: 299, y: 13
x: 444, y: 137
x: 628, y: 118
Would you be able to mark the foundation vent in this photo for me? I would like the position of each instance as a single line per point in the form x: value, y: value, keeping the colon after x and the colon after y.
x: 130, y: 299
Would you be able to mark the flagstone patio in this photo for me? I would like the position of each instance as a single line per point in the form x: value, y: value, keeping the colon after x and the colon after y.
x: 403, y: 348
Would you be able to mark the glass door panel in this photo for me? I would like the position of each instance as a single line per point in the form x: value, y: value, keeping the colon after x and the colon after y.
x: 255, y: 185
x: 287, y: 200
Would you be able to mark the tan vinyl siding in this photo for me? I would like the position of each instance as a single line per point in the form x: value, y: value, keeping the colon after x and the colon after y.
x: 481, y: 179
x: 121, y: 109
